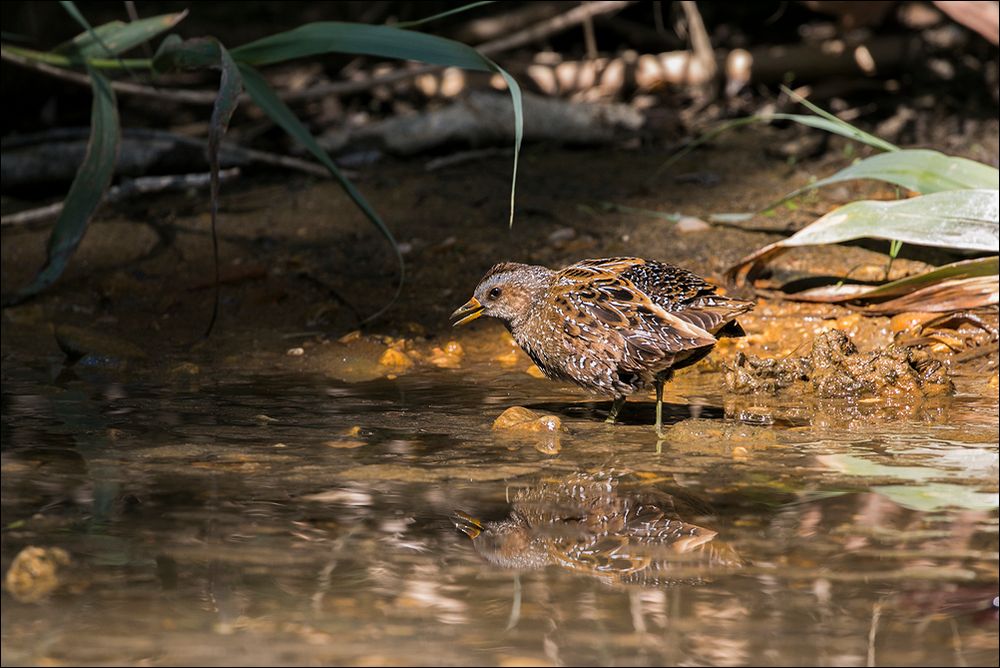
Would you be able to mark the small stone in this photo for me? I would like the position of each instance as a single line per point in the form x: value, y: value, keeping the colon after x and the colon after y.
x: 448, y: 357
x: 396, y: 359
x: 688, y: 224
x: 910, y: 322
x: 295, y: 352
x: 507, y: 359
x: 562, y: 234
x: 350, y: 337
x: 187, y: 368
x: 518, y: 418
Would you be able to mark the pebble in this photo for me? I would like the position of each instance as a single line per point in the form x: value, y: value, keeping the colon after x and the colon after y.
x: 396, y: 359
x: 520, y: 419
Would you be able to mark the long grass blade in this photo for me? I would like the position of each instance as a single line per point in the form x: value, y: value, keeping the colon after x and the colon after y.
x: 388, y: 42
x: 435, y: 17
x: 87, y: 189
x: 845, y: 128
x: 118, y: 37
x: 72, y: 10
x: 230, y: 87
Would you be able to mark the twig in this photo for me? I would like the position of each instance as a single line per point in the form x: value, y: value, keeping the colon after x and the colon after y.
x: 464, y: 156
x: 131, y: 188
x: 125, y: 87
x: 230, y: 152
x: 556, y: 24
x: 700, y: 42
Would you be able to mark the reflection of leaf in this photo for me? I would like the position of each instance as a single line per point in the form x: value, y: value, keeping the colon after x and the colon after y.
x: 851, y: 465
x: 963, y: 219
x: 935, y: 496
x: 919, y: 495
x: 918, y: 170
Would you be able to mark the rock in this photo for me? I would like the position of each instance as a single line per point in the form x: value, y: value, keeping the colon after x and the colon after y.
x: 520, y: 419
x: 347, y: 439
x: 562, y: 235
x: 448, y: 357
x: 186, y: 368
x: 835, y: 368
x: 689, y: 224
x: 509, y: 358
x: 37, y: 572
x: 910, y: 322
x: 296, y: 352
x: 397, y: 359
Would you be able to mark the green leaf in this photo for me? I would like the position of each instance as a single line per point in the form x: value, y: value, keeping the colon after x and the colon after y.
x: 836, y: 126
x: 118, y: 36
x: 371, y: 40
x: 918, y: 170
x: 962, y: 219
x: 230, y: 87
x: 279, y: 112
x: 833, y: 124
x: 72, y: 10
x: 176, y: 55
x: 388, y: 42
x: 87, y: 189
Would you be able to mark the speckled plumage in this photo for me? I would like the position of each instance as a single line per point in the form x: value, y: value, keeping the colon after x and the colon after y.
x: 613, y: 326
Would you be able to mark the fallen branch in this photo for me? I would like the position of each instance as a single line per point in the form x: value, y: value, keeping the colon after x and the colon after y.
x: 140, y: 186
x: 483, y: 118
x: 56, y: 154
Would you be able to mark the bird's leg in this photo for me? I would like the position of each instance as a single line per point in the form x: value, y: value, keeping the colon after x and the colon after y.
x: 659, y: 407
x: 616, y: 406
x: 660, y: 380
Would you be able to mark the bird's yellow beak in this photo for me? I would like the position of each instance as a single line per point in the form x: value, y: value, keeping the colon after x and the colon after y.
x: 467, y: 524
x: 467, y: 312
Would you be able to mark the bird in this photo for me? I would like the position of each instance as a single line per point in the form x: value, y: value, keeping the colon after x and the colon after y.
x: 613, y: 326
x: 606, y: 524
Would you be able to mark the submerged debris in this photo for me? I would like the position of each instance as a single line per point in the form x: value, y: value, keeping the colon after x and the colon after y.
x: 37, y: 572
x: 835, y: 368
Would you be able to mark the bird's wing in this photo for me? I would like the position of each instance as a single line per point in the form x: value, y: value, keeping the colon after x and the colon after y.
x: 677, y: 291
x: 602, y: 307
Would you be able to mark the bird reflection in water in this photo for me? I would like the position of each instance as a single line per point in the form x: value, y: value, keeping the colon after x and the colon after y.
x: 607, y: 525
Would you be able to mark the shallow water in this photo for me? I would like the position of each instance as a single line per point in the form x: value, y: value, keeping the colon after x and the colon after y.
x: 242, y: 516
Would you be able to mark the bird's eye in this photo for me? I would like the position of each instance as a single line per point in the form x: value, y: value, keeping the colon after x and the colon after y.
x: 495, y: 293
